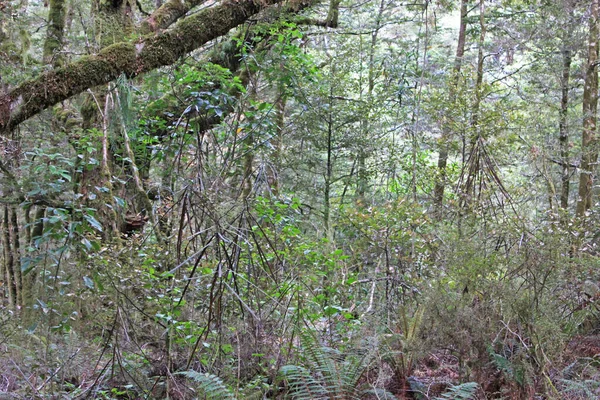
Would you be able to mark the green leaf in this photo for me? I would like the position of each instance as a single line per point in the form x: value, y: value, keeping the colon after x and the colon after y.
x: 88, y: 282
x: 93, y: 222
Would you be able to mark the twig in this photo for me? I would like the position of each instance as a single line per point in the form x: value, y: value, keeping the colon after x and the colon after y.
x: 58, y: 369
x: 24, y: 377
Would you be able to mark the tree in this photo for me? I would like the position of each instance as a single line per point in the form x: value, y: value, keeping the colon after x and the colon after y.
x: 589, y: 152
x: 440, y: 184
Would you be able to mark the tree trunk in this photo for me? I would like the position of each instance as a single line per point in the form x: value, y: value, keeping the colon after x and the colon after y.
x: 363, y: 153
x: 563, y: 129
x: 440, y: 184
x: 8, y: 266
x: 55, y: 32
x: 276, y: 161
x: 21, y: 283
x: 113, y: 21
x: 589, y: 155
x: 333, y: 14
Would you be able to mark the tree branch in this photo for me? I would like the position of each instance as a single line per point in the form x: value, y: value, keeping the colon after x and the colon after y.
x: 131, y: 59
x: 167, y: 14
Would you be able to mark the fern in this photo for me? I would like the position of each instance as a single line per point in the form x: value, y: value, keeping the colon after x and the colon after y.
x: 465, y: 391
x: 331, y: 374
x: 211, y: 385
x: 301, y: 383
x: 581, y: 389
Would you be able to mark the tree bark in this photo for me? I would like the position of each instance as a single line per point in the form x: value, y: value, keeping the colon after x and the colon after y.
x: 333, y: 14
x: 8, y: 266
x: 363, y: 151
x: 440, y: 184
x: 166, y: 14
x: 54, y: 35
x: 589, y: 156
x: 131, y: 59
x: 563, y: 128
x: 113, y: 21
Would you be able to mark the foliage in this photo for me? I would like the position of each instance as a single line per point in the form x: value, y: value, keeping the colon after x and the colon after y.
x: 258, y: 219
x: 331, y: 374
x: 465, y: 391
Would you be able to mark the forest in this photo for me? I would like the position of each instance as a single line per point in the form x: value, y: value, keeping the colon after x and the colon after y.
x: 299, y: 199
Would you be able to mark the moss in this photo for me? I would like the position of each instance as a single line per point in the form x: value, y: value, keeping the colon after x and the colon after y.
x: 113, y: 21
x: 167, y: 14
x: 54, y: 35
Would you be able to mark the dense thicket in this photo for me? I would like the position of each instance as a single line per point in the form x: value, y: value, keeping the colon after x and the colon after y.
x: 264, y: 199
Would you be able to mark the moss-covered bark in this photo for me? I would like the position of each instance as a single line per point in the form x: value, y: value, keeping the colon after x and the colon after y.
x: 333, y: 13
x: 113, y: 20
x: 132, y: 59
x: 167, y: 14
x: 55, y: 33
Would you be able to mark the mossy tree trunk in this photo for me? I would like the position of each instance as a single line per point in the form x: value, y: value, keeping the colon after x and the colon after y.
x: 113, y: 20
x: 55, y: 33
x: 166, y: 14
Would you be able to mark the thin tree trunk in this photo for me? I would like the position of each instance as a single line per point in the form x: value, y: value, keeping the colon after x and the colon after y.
x: 329, y: 164
x: 247, y: 184
x: 564, y: 130
x: 8, y: 259
x: 589, y: 154
x: 440, y: 184
x: 479, y: 81
x: 363, y: 176
x: 472, y: 167
x: 22, y: 286
x: 38, y: 224
x: 137, y: 180
x: 111, y: 220
x: 277, y: 142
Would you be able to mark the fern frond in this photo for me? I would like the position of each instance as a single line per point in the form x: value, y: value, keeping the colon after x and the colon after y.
x: 324, y: 362
x: 302, y: 384
x: 352, y: 370
x: 465, y: 391
x: 211, y: 385
x: 581, y: 389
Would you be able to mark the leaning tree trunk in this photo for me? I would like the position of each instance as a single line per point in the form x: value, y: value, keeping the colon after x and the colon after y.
x: 128, y: 58
x: 589, y: 153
